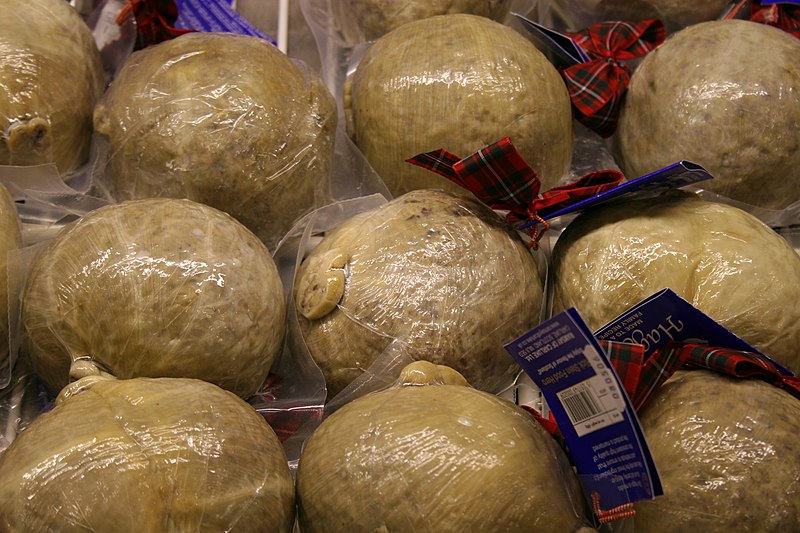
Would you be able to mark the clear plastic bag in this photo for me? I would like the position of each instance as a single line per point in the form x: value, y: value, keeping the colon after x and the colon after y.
x: 146, y: 455
x: 724, y: 95
x: 428, y: 275
x: 430, y: 453
x: 721, y: 259
x: 51, y: 76
x: 222, y: 119
x: 726, y: 451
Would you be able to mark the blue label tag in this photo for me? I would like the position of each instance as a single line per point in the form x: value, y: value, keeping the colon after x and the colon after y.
x: 674, y: 176
x: 214, y: 16
x: 565, y: 51
x: 664, y: 317
x: 591, y: 407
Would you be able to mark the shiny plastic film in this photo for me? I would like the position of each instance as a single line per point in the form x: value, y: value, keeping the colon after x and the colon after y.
x: 458, y: 82
x: 432, y: 275
x: 50, y: 78
x: 223, y: 119
x: 576, y: 15
x: 146, y: 455
x: 726, y: 452
x: 155, y: 288
x: 721, y: 259
x: 432, y: 454
x: 371, y: 19
x: 10, y: 239
x: 725, y: 95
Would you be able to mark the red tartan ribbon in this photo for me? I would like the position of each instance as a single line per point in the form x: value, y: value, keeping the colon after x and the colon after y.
x: 499, y: 177
x: 155, y: 20
x: 738, y: 364
x: 596, y: 87
x: 785, y: 17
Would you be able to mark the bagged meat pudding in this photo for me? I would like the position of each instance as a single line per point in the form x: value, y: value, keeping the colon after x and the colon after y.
x: 223, y: 119
x: 458, y: 82
x: 434, y: 275
x: 146, y: 455
x: 432, y: 454
x: 156, y: 288
x: 50, y: 78
x: 725, y: 95
x: 722, y: 260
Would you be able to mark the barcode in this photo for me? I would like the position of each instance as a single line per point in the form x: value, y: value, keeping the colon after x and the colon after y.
x: 580, y: 405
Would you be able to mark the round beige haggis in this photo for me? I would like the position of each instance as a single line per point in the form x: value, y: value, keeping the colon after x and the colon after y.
x: 156, y: 287
x: 458, y: 82
x: 437, y: 276
x: 139, y: 455
x: 725, y: 95
x: 431, y: 454
x: 726, y: 451
x: 50, y: 78
x: 722, y: 260
x: 226, y: 120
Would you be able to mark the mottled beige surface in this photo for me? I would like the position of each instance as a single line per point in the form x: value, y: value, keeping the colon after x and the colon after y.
x: 725, y: 95
x: 10, y: 239
x: 719, y: 258
x: 50, y: 78
x: 438, y: 458
x: 726, y: 451
x: 147, y: 456
x: 223, y: 119
x: 374, y: 18
x: 156, y: 287
x: 675, y: 14
x: 458, y: 82
x: 442, y: 275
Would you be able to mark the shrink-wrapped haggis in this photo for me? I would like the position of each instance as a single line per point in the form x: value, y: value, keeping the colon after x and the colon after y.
x: 157, y: 287
x: 722, y: 260
x: 432, y: 454
x: 436, y: 275
x: 146, y: 455
x: 458, y: 82
x: 726, y: 452
x: 223, y: 119
x: 725, y: 95
x: 50, y: 79
x: 374, y: 18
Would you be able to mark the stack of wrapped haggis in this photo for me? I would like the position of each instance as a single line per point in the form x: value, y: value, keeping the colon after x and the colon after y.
x: 229, y: 303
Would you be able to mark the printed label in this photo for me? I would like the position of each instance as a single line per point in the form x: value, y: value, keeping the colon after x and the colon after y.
x: 593, y: 412
x: 665, y: 317
x: 213, y: 16
x: 674, y: 176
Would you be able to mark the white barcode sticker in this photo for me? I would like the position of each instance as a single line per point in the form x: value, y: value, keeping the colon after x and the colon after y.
x: 592, y: 404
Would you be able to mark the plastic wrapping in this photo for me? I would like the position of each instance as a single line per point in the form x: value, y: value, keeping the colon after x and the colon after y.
x: 458, y: 82
x: 223, y: 119
x: 430, y: 274
x: 10, y: 239
x: 156, y: 287
x: 719, y: 258
x: 726, y: 451
x: 146, y: 455
x: 725, y: 95
x: 50, y: 79
x: 433, y: 454
x: 575, y: 15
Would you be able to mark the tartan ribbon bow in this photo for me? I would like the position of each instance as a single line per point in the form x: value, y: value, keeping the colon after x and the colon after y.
x: 785, y: 17
x: 596, y: 87
x: 155, y: 20
x: 641, y: 378
x: 499, y: 177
